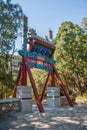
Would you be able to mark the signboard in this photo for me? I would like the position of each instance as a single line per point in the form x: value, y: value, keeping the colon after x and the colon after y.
x: 39, y: 52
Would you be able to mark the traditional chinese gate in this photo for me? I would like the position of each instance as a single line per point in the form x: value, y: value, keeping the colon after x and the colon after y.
x: 38, y: 52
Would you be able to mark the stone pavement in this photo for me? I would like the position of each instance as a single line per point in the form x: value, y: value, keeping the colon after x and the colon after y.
x: 62, y: 118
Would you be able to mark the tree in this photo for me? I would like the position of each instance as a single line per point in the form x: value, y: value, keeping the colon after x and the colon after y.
x: 10, y: 17
x: 71, y: 55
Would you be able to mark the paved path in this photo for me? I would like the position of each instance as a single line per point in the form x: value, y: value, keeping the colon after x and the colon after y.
x: 63, y: 118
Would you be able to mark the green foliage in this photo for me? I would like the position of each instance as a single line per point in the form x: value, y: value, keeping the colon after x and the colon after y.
x: 5, y: 92
x: 71, y: 55
x: 39, y: 77
x: 10, y: 16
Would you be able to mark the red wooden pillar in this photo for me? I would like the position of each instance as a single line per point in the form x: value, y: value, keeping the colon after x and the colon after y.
x: 24, y: 73
x: 17, y: 81
x: 63, y: 87
x: 52, y: 79
x: 44, y: 88
x: 22, y: 77
x: 38, y: 101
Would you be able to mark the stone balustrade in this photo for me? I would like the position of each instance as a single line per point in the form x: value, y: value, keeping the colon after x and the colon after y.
x: 8, y: 106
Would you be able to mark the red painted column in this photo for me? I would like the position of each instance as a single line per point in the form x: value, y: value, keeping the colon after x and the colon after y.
x: 63, y: 87
x: 52, y: 79
x: 44, y: 88
x: 17, y: 81
x: 24, y: 73
x: 40, y: 107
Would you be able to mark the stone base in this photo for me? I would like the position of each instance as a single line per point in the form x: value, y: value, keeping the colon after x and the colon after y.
x: 26, y: 105
x: 25, y: 95
x: 53, y: 97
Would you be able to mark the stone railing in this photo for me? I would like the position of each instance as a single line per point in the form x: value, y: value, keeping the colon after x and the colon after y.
x: 8, y: 106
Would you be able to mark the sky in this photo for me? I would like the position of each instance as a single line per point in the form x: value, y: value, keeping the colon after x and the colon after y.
x: 49, y: 14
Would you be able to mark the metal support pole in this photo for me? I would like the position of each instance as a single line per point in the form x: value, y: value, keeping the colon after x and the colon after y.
x: 40, y: 107
x: 63, y: 87
x: 44, y: 88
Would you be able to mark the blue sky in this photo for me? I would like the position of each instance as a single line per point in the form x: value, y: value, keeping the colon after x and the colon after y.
x: 49, y: 14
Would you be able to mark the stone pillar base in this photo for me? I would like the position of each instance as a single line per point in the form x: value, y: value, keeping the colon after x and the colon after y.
x: 53, y: 97
x: 25, y: 95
